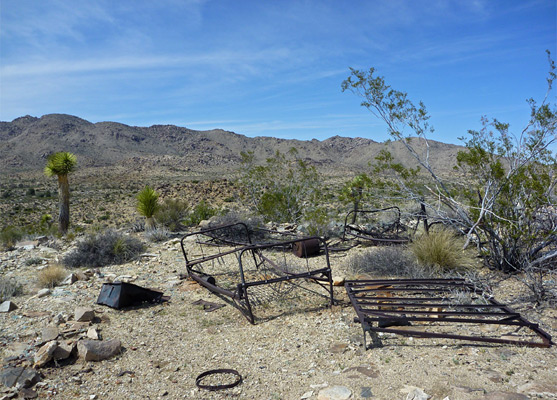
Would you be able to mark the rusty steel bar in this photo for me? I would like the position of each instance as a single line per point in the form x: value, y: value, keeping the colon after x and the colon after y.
x: 374, y: 300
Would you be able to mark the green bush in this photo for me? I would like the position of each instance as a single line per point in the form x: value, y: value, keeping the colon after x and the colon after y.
x: 441, y: 249
x: 171, y: 214
x: 9, y: 288
x: 9, y: 236
x: 104, y: 248
x: 202, y: 211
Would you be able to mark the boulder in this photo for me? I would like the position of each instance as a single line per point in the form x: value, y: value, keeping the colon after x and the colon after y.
x: 94, y: 350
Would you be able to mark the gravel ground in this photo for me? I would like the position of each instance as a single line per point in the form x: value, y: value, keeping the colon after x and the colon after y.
x: 296, y: 352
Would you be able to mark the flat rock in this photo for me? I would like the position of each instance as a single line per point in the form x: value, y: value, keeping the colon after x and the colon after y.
x: 49, y: 333
x: 94, y: 350
x: 504, y: 396
x: 21, y: 376
x: 338, y: 280
x: 44, y: 354
x: 7, y: 306
x: 84, y: 314
x: 334, y: 393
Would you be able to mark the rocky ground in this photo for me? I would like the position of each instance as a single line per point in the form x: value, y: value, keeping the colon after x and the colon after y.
x: 300, y: 354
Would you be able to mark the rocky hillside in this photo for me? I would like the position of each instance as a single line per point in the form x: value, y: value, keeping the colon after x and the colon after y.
x: 26, y: 142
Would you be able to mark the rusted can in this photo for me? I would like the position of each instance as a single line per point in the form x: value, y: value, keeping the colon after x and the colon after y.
x: 306, y: 248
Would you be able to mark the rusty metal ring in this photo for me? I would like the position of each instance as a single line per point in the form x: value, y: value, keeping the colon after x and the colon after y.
x: 218, y: 387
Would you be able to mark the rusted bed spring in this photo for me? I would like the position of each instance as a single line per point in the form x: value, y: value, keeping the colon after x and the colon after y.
x: 322, y: 276
x: 422, y: 300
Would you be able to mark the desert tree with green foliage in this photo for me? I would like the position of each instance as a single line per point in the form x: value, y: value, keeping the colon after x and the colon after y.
x: 61, y: 164
x: 356, y: 191
x: 281, y: 190
x: 148, y: 205
x: 507, y: 206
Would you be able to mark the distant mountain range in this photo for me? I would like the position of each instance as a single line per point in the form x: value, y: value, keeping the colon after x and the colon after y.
x: 27, y: 141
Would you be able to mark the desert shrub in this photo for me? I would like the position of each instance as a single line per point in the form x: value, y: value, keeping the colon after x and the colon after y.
x: 202, y: 211
x: 171, y: 214
x: 9, y: 288
x: 30, y: 192
x: 441, y: 249
x: 238, y: 233
x: 51, y: 276
x: 157, y: 234
x: 282, y: 189
x: 387, y: 261
x: 318, y: 222
x: 104, y: 248
x: 9, y: 236
x: 33, y: 261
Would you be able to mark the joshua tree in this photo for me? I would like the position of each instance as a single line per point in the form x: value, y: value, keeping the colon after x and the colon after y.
x: 62, y: 164
x: 147, y: 205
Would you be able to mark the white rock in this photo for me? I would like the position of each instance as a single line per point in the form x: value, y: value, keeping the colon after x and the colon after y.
x: 92, y: 333
x: 334, y: 393
x: 306, y: 395
x: 84, y: 314
x: 43, y: 292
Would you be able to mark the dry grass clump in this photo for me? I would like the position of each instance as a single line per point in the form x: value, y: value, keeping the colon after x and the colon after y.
x: 9, y: 288
x: 441, y: 250
x: 51, y: 276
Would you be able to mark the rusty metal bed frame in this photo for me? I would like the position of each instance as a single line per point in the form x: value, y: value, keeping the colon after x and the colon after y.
x: 403, y: 306
x: 245, y: 252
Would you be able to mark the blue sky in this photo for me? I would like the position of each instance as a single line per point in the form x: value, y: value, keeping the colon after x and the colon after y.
x: 273, y: 68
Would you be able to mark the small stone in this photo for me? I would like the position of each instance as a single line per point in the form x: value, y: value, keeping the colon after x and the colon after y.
x: 414, y: 393
x: 493, y: 376
x: 44, y: 354
x: 59, y: 319
x: 92, y: 333
x: 334, y: 393
x: 93, y: 350
x: 338, y: 281
x: 93, y: 397
x: 84, y: 314
x: 306, y: 395
x: 43, y: 293
x: 71, y: 278
x: 365, y: 392
x: 7, y: 306
x: 49, y: 333
x: 338, y: 348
